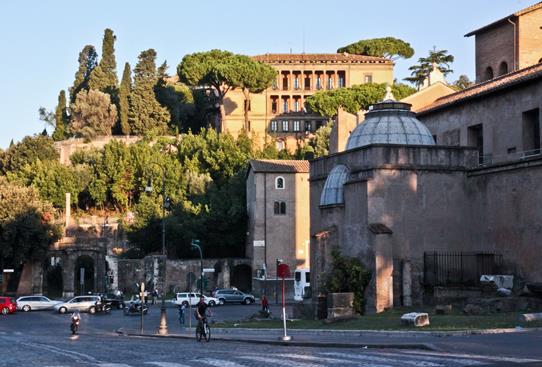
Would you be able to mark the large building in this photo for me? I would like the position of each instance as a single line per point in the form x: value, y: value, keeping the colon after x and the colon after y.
x: 509, y: 44
x: 433, y: 201
x: 279, y: 112
x: 278, y: 220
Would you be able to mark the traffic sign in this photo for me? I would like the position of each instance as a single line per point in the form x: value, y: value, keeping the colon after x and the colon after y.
x: 8, y: 270
x: 283, y: 270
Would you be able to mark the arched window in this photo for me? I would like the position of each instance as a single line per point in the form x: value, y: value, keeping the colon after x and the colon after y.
x: 282, y: 208
x: 503, y: 68
x: 279, y: 182
x: 279, y: 208
x: 333, y: 192
x: 488, y: 73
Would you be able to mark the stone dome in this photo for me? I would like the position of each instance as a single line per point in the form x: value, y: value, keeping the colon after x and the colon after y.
x: 390, y: 122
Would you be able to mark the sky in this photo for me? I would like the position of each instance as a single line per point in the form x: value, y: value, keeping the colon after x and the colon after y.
x: 40, y: 40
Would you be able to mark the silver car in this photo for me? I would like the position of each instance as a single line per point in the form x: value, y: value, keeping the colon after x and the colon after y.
x: 81, y: 303
x: 33, y: 303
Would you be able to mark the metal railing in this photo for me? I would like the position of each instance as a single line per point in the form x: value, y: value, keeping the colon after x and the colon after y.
x: 489, y: 159
x: 457, y: 269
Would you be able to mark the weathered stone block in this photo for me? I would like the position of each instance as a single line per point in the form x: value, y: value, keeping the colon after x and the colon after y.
x: 417, y: 319
x: 443, y: 309
x: 345, y: 300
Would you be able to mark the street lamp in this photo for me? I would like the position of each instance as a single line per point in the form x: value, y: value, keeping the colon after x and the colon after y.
x: 162, y: 330
x: 195, y: 243
x: 279, y: 261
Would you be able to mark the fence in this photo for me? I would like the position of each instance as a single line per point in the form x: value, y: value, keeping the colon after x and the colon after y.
x: 458, y: 269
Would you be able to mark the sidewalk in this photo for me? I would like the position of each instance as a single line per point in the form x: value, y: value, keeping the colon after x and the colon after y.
x: 471, y: 341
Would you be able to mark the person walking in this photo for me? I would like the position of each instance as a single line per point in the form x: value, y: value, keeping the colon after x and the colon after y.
x: 265, y: 305
x: 181, y: 314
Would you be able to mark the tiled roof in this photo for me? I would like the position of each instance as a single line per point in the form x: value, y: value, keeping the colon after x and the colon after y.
x: 317, y: 58
x: 516, y: 14
x: 280, y: 166
x: 484, y: 88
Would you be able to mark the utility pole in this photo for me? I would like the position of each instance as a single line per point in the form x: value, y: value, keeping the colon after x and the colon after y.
x: 195, y: 243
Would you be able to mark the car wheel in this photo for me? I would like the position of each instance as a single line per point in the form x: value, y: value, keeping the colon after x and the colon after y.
x: 62, y: 310
x: 26, y: 308
x: 212, y: 303
x: 246, y: 301
x: 221, y: 301
x: 92, y: 310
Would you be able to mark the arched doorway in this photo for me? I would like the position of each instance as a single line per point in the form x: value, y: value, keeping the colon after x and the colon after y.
x: 242, y: 277
x: 87, y: 284
x: 54, y: 283
x: 488, y: 75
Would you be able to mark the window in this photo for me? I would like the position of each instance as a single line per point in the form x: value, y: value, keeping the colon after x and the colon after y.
x: 319, y: 82
x: 285, y: 105
x: 475, y: 136
x: 329, y: 82
x: 296, y: 82
x: 274, y: 106
x: 279, y: 183
x: 308, y: 125
x: 296, y: 126
x: 279, y: 208
x: 368, y: 78
x: 319, y: 124
x: 284, y: 82
x: 531, y: 132
x: 296, y: 105
x: 274, y: 85
x: 307, y: 82
x: 274, y: 125
x: 503, y: 68
x: 342, y: 81
x: 285, y: 125
x: 488, y: 73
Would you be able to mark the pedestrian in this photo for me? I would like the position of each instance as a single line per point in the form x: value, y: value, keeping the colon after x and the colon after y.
x: 265, y: 305
x: 181, y: 314
x: 154, y: 296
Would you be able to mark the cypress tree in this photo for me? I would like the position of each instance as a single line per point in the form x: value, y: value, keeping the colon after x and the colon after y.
x: 145, y: 112
x: 61, y: 118
x: 104, y: 76
x: 124, y: 93
x: 87, y: 63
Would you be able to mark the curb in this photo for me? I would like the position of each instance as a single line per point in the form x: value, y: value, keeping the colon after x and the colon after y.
x: 293, y: 342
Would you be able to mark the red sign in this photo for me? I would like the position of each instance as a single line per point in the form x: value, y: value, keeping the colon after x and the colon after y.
x: 283, y: 271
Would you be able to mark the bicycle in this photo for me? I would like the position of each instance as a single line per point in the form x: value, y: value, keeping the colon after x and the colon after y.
x: 203, y: 330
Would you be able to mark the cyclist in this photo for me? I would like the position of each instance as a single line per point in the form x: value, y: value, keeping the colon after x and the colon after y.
x: 201, y: 312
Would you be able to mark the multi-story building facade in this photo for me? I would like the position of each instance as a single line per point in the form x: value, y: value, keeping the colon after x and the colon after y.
x: 280, y: 112
x: 509, y: 44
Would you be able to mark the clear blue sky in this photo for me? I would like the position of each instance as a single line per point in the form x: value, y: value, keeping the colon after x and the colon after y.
x: 40, y: 40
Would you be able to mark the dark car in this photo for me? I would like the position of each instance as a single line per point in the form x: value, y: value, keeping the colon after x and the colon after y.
x: 233, y: 295
x: 7, y: 305
x: 114, y: 300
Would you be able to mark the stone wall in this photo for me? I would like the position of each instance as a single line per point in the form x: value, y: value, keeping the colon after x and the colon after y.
x: 67, y: 147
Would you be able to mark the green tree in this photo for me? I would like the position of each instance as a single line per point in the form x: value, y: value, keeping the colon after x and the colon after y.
x: 61, y: 118
x: 104, y: 76
x: 389, y: 47
x: 463, y: 82
x: 124, y: 94
x: 219, y: 70
x: 320, y: 141
x: 436, y: 58
x: 27, y: 226
x: 146, y: 114
x: 87, y: 62
x: 93, y: 114
x: 30, y: 149
x: 401, y: 90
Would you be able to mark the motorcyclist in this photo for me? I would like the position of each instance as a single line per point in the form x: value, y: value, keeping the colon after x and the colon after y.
x: 75, y: 319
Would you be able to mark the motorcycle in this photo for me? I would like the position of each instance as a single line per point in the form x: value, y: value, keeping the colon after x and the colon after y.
x: 135, y: 309
x: 103, y: 306
x: 75, y: 320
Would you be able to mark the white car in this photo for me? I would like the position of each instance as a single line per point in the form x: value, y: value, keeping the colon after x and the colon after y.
x: 193, y: 298
x: 81, y: 303
x: 33, y: 303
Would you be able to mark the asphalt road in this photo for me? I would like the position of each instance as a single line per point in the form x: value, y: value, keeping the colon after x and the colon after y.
x: 43, y: 339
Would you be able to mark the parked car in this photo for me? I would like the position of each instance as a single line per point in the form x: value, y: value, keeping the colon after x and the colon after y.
x: 232, y: 296
x: 187, y: 298
x: 7, y: 305
x: 81, y: 303
x: 117, y: 302
x: 33, y: 303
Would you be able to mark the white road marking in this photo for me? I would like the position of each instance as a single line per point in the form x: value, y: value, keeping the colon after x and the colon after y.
x: 114, y: 365
x: 282, y: 362
x: 219, y: 362
x: 66, y: 353
x: 372, y: 358
x: 167, y: 364
x: 442, y: 358
x: 314, y: 358
x: 477, y: 356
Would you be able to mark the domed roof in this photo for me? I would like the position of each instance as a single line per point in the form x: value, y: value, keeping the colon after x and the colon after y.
x: 390, y: 122
x: 333, y: 192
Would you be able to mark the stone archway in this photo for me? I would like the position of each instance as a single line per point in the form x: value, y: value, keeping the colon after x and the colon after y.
x: 88, y: 283
x: 242, y: 277
x: 53, y: 284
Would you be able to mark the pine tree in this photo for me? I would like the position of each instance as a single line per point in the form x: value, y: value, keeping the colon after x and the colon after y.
x: 145, y: 112
x: 61, y: 118
x: 124, y: 93
x: 87, y: 63
x: 104, y: 76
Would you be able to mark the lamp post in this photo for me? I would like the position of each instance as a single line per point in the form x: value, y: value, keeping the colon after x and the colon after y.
x: 195, y: 243
x: 279, y: 261
x: 162, y: 330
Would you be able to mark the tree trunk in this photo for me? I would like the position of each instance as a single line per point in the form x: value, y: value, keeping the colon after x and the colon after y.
x: 246, y: 92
